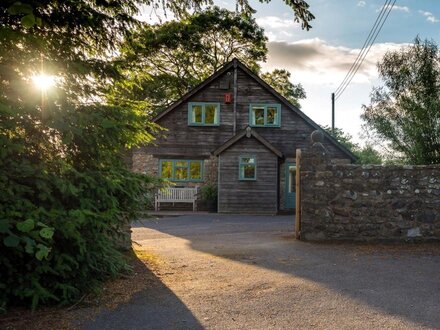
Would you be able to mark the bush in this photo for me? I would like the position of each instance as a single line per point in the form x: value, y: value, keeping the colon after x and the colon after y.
x: 209, y: 192
x: 60, y: 230
x: 66, y: 198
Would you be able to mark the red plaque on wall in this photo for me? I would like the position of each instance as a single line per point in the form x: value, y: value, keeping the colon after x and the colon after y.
x: 228, y: 98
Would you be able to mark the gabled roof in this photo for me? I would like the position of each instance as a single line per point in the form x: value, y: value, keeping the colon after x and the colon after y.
x: 199, y: 87
x: 247, y: 132
x: 236, y: 63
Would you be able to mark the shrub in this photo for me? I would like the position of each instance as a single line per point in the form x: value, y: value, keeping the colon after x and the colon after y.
x: 209, y: 192
x: 60, y: 230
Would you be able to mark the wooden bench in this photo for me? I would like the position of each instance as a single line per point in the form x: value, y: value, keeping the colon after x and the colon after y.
x: 176, y: 195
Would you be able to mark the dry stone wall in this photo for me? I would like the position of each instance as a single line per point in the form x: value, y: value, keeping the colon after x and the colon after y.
x: 362, y: 203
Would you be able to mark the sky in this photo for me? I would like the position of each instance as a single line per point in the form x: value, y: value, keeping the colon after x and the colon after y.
x: 320, y: 58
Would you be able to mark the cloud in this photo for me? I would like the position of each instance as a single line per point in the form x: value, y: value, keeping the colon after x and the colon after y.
x: 320, y: 67
x: 429, y: 16
x: 315, y: 61
x: 361, y: 3
x: 276, y: 28
x: 396, y: 8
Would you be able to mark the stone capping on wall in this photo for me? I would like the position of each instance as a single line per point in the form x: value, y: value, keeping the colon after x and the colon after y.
x: 367, y: 202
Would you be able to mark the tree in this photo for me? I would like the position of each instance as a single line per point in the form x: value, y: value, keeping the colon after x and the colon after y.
x: 404, y: 112
x: 279, y: 80
x: 65, y: 191
x: 163, y: 61
x: 181, y: 8
x: 364, y: 155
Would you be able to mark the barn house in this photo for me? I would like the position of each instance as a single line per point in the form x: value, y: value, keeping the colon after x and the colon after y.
x: 235, y: 132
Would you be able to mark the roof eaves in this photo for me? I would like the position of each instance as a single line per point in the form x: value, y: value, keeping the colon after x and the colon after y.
x: 297, y: 111
x: 242, y: 134
x: 267, y: 144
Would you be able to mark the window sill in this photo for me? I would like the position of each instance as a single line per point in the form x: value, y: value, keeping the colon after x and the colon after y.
x: 204, y: 125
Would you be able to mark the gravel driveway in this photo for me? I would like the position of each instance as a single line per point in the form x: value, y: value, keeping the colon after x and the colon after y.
x: 247, y: 272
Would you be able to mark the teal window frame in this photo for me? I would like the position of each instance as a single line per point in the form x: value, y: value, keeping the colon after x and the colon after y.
x: 265, y: 106
x: 241, y: 164
x: 188, y: 166
x: 203, y: 105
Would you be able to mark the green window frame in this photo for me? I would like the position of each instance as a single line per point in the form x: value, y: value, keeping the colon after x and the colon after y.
x: 181, y: 170
x: 247, y: 168
x: 203, y: 114
x: 264, y: 115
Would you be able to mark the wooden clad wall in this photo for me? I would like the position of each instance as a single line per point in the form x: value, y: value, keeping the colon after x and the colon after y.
x: 183, y: 141
x: 186, y: 141
x: 294, y: 131
x: 259, y: 196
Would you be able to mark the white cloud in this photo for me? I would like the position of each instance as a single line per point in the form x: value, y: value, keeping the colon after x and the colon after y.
x: 275, y: 22
x: 315, y: 60
x: 429, y: 16
x: 276, y: 28
x: 320, y: 68
x: 397, y: 8
x: 361, y: 3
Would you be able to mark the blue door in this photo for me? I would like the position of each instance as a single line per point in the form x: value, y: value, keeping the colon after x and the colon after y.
x: 290, y: 185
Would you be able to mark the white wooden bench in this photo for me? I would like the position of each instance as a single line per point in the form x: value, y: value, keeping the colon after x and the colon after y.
x: 176, y: 195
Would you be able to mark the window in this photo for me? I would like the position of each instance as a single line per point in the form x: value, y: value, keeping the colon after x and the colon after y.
x: 248, y: 168
x: 181, y: 170
x: 203, y: 114
x: 265, y: 115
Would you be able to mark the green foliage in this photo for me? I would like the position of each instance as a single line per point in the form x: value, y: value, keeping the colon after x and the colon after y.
x: 161, y: 62
x: 59, y: 229
x: 404, y: 112
x: 181, y: 8
x: 209, y: 192
x: 279, y: 79
x: 368, y: 155
x: 365, y: 155
x: 66, y: 194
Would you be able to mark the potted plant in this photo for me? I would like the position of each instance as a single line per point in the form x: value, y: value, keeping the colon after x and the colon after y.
x: 209, y: 197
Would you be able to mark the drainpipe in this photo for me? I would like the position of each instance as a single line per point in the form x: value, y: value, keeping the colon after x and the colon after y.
x: 235, y: 97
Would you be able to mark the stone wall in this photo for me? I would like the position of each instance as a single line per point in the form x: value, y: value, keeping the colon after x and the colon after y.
x: 143, y: 162
x: 354, y: 202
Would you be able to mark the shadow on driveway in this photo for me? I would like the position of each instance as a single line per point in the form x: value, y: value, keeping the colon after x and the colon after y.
x: 402, y: 281
x: 155, y: 307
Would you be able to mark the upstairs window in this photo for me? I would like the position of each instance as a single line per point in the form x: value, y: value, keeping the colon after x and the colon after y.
x: 248, y: 168
x: 181, y: 170
x: 265, y: 115
x: 203, y: 114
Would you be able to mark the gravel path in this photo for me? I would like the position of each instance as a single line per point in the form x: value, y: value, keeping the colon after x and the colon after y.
x: 247, y: 272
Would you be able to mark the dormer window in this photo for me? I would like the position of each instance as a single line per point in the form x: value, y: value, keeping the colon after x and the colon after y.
x: 203, y: 114
x: 265, y: 115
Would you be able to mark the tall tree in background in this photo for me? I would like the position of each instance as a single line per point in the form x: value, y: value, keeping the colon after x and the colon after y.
x: 279, y: 79
x: 405, y: 111
x: 164, y: 61
x: 365, y: 155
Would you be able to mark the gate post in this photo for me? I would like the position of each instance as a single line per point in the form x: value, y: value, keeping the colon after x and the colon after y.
x: 298, y: 195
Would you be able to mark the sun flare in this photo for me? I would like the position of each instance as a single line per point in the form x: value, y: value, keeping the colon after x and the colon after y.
x: 43, y: 81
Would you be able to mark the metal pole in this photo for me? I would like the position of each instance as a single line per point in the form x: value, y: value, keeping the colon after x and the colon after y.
x: 333, y: 113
